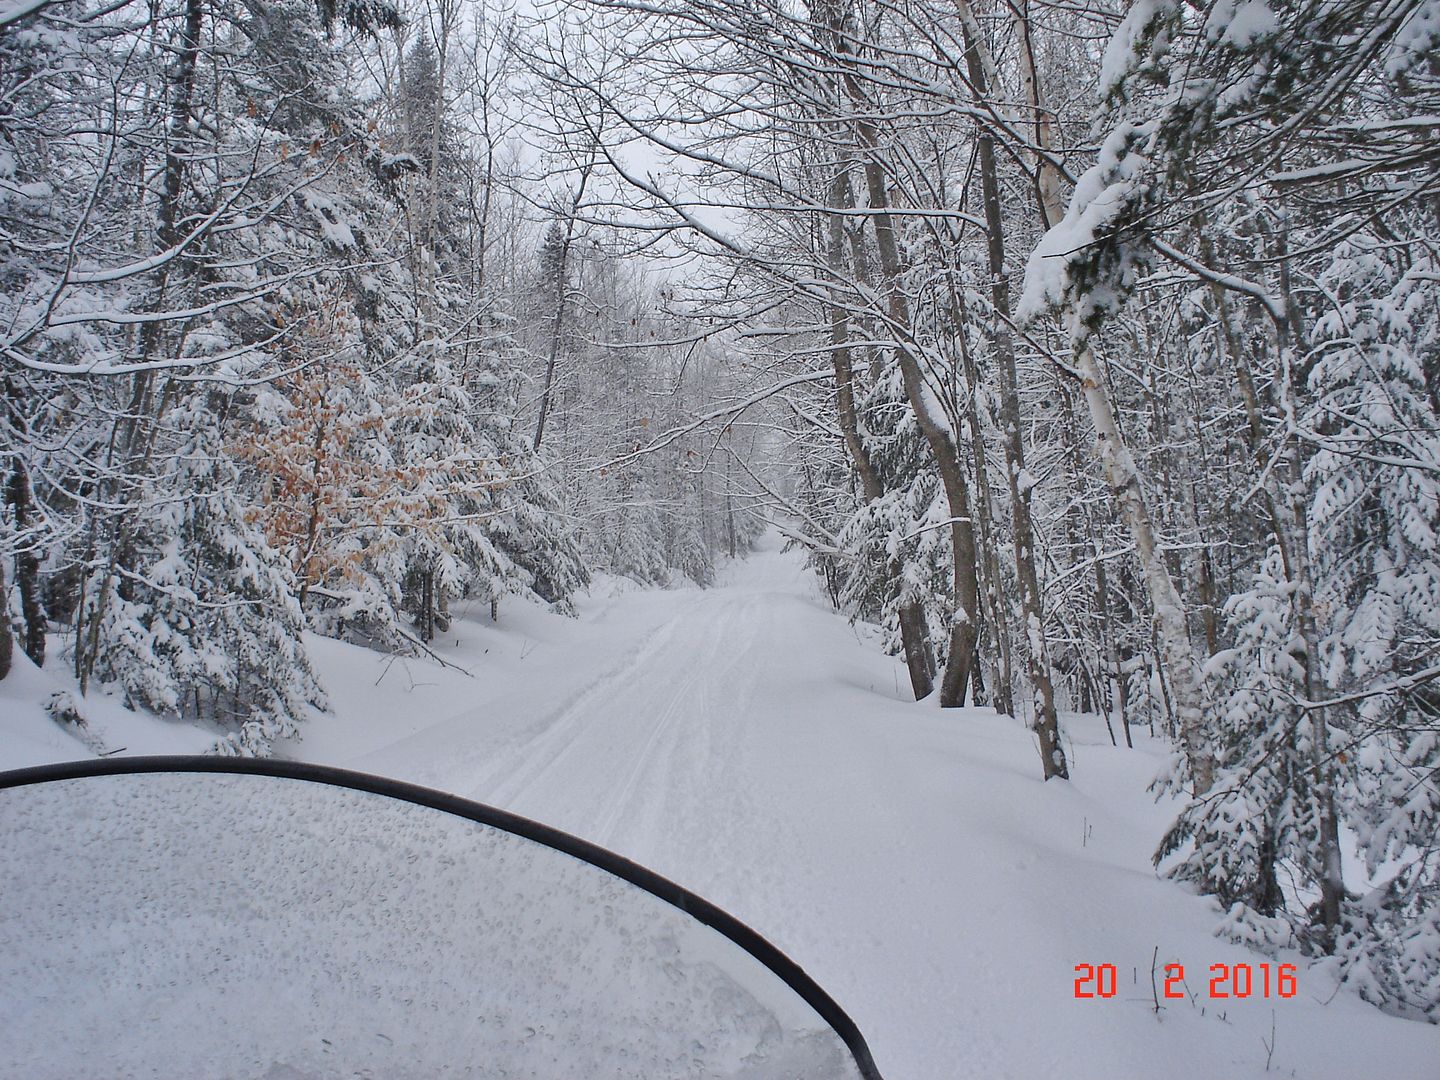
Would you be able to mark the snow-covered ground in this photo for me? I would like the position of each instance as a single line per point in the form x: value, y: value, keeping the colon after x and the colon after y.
x: 752, y: 745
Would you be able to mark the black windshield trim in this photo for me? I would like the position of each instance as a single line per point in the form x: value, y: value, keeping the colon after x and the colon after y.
x: 696, y: 907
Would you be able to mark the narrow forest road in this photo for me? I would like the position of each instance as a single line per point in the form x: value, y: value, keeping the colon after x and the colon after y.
x: 684, y: 733
x: 752, y: 745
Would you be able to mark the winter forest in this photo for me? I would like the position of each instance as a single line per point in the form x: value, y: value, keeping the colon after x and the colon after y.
x: 1088, y: 348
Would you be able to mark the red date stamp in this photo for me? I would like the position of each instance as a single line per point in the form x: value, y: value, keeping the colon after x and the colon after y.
x: 1227, y: 981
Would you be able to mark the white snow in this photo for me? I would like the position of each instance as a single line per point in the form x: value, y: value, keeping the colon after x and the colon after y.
x: 327, y: 214
x: 262, y: 927
x: 1102, y: 195
x: 1129, y: 37
x: 1242, y: 24
x: 752, y: 745
x: 29, y: 737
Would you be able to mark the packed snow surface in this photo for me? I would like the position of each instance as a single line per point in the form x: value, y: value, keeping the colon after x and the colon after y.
x: 752, y: 745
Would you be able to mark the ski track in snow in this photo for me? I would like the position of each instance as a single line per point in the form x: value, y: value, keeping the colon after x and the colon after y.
x: 565, y: 730
x: 744, y: 742
x: 628, y: 759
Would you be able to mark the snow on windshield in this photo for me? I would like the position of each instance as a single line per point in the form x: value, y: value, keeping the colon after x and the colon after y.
x: 259, y: 927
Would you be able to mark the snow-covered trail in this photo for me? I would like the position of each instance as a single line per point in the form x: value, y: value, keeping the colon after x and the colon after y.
x: 749, y: 743
x: 746, y: 742
x: 668, y: 750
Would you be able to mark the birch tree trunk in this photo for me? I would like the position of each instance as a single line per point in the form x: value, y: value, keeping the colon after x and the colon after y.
x: 1121, y: 473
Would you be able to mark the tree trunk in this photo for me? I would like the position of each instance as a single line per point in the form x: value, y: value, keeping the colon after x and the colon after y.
x: 1123, y: 478
x: 425, y: 615
x: 1047, y: 176
x: 557, y: 318
x: 1169, y: 612
x: 306, y: 568
x: 914, y: 629
x: 132, y: 436
x: 965, y: 626
x: 1116, y: 677
x: 7, y: 639
x: 1046, y: 722
x: 983, y: 509
x: 27, y: 563
x: 1322, y: 765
